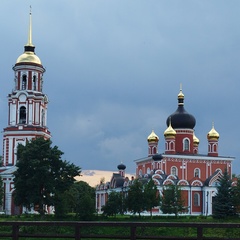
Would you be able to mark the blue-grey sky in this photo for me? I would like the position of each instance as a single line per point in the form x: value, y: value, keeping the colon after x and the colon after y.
x: 114, y: 68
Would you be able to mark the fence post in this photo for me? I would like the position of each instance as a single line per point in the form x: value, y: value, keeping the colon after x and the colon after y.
x: 77, y: 232
x: 15, y: 231
x: 199, y: 232
x: 133, y: 232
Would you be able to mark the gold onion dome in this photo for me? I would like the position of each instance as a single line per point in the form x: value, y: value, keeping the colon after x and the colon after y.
x: 153, y: 137
x: 195, y: 139
x: 213, y: 134
x: 170, y: 131
x: 29, y: 55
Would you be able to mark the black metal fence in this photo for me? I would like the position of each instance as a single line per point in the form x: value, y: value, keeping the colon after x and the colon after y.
x: 117, y: 230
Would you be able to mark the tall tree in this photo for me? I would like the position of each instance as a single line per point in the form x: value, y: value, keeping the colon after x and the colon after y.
x: 81, y: 198
x: 41, y: 175
x: 1, y: 191
x: 113, y: 205
x: 135, y: 197
x: 223, y: 204
x: 151, y: 196
x: 171, y: 201
x: 236, y: 195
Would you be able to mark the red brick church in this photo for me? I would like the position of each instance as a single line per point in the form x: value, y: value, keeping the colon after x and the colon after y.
x: 180, y: 164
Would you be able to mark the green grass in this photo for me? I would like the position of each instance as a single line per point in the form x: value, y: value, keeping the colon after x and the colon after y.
x: 157, y: 231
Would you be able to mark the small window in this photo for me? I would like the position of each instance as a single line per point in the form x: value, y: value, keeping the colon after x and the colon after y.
x: 197, y: 172
x: 174, y: 171
x: 34, y: 83
x: 186, y: 144
x: 196, y: 199
x: 24, y: 82
x: 43, y: 117
x: 154, y: 150
x: 22, y: 117
x: 219, y: 170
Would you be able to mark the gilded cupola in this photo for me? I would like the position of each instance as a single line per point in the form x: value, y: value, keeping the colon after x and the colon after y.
x: 213, y: 134
x: 29, y: 55
x: 195, y: 140
x: 170, y: 132
x: 153, y: 137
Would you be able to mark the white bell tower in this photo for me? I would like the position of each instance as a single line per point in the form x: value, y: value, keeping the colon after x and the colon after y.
x: 27, y: 104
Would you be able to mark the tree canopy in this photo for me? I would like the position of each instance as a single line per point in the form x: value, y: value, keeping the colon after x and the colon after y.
x: 41, y: 175
x: 114, y: 204
x: 1, y: 191
x: 236, y: 195
x: 223, y: 203
x: 151, y: 196
x: 81, y: 199
x: 135, y: 197
x: 171, y: 201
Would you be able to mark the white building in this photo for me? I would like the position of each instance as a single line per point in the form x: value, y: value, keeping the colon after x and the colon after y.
x: 27, y: 115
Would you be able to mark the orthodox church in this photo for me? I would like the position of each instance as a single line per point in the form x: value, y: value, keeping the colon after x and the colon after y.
x: 27, y: 115
x: 180, y: 164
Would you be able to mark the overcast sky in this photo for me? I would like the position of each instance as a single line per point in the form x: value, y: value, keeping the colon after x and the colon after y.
x: 114, y: 69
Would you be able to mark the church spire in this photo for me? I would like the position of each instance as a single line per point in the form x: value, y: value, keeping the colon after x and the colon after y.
x: 29, y: 47
x: 30, y: 29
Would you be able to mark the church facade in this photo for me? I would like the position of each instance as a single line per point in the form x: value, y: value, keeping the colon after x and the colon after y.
x: 180, y: 164
x: 27, y: 115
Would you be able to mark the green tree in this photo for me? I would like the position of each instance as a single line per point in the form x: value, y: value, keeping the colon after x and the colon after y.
x: 113, y: 205
x: 42, y: 176
x: 171, y: 201
x: 151, y: 196
x: 223, y: 204
x: 135, y: 197
x: 1, y: 191
x: 81, y: 200
x: 236, y: 195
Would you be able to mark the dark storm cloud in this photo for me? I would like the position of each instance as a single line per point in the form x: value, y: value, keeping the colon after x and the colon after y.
x: 114, y: 69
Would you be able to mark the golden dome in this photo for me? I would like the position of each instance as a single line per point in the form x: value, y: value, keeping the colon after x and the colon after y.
x: 213, y: 134
x: 29, y: 57
x: 195, y: 139
x: 170, y: 131
x: 153, y: 137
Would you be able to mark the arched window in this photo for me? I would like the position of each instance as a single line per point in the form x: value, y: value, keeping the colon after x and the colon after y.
x: 219, y: 170
x: 140, y: 173
x: 22, y: 115
x: 196, y: 199
x: 215, y: 148
x: 197, y: 172
x: 24, y: 82
x: 34, y: 83
x: 154, y: 150
x: 43, y: 118
x: 174, y: 171
x: 186, y: 144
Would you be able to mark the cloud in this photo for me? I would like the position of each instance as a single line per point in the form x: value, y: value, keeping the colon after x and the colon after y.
x: 114, y: 70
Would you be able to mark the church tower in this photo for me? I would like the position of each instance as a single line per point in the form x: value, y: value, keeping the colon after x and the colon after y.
x: 27, y: 104
x: 183, y: 123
